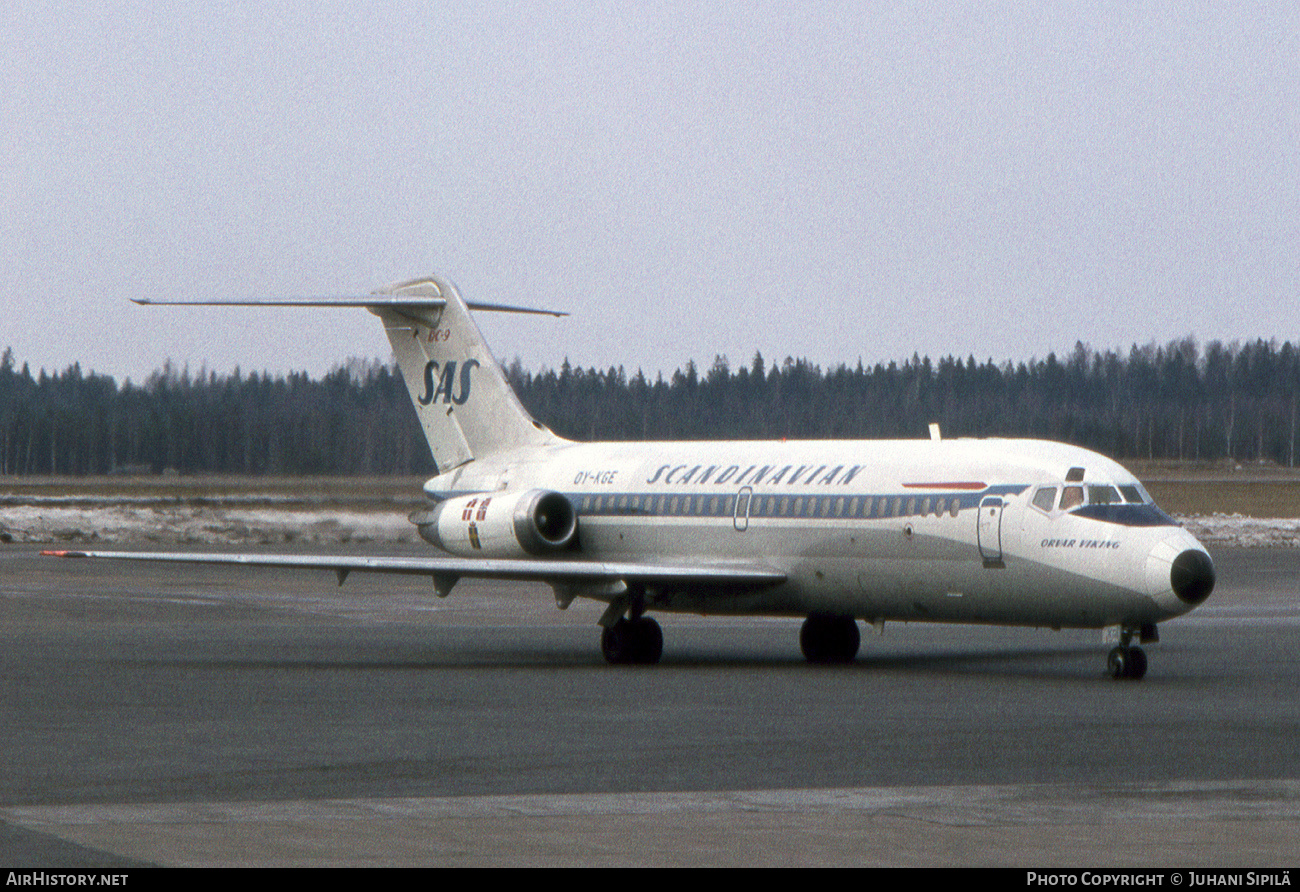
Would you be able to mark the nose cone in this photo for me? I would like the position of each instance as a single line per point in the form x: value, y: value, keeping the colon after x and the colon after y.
x: 1179, y: 574
x: 1191, y: 576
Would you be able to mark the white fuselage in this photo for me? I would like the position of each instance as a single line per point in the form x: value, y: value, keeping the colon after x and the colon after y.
x: 916, y: 530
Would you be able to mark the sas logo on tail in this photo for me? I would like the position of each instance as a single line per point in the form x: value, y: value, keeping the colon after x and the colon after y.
x: 446, y: 379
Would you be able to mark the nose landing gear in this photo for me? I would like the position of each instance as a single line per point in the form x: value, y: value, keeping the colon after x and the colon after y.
x: 1128, y: 660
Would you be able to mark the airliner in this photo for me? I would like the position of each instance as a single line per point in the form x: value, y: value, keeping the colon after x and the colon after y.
x: 993, y: 531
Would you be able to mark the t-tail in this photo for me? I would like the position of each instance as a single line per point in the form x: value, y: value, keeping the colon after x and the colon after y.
x: 466, y: 407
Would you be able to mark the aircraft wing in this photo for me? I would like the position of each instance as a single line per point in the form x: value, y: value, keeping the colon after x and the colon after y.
x: 447, y: 570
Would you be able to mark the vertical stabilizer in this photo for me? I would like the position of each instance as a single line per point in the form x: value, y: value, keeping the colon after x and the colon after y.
x: 466, y: 407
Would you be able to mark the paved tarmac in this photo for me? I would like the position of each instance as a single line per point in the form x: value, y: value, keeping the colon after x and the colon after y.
x: 212, y: 716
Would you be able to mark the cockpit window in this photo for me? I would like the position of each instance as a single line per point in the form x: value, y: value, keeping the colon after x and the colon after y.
x: 1103, y: 495
x: 1045, y: 498
x: 1092, y: 494
x: 1126, y: 505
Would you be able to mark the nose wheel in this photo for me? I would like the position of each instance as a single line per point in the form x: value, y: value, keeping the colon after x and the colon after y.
x: 1127, y: 662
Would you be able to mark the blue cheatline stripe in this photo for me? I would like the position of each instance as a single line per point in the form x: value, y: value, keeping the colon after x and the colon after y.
x: 783, y: 505
x: 787, y: 505
x: 779, y: 505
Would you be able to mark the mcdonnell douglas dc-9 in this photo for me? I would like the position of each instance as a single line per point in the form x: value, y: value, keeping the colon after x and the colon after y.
x: 993, y: 531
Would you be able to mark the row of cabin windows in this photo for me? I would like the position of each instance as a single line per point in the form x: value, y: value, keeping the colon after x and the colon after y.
x: 773, y: 506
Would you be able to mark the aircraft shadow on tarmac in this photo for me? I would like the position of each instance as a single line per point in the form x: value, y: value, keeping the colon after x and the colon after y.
x: 1074, y: 662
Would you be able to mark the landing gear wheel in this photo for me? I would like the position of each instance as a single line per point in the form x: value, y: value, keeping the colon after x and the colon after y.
x: 1116, y: 662
x: 829, y: 639
x: 617, y: 643
x: 650, y: 641
x: 631, y: 641
x: 1137, y: 663
x: 1127, y: 662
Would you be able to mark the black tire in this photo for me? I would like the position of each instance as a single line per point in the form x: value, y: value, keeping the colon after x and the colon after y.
x: 649, y: 641
x: 617, y: 643
x: 829, y: 639
x: 632, y: 641
x: 1137, y: 663
x: 1127, y: 663
x: 1117, y: 662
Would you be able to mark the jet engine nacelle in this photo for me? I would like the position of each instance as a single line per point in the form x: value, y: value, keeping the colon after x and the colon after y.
x: 500, y: 524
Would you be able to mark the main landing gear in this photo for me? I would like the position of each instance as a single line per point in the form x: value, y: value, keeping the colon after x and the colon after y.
x: 630, y: 641
x: 1128, y: 660
x: 826, y: 638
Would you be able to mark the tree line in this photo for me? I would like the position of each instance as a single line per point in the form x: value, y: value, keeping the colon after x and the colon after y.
x: 1176, y: 401
x: 355, y: 420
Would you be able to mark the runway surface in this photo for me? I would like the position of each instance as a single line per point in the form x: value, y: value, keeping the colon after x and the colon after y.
x: 194, y: 716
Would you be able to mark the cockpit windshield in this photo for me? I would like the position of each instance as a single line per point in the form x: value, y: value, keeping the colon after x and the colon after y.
x: 1075, y: 497
x: 1127, y: 504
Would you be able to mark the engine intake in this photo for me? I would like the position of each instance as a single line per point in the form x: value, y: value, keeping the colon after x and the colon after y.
x: 500, y: 525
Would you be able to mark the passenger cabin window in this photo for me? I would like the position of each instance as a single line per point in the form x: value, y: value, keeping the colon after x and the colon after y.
x: 1045, y: 498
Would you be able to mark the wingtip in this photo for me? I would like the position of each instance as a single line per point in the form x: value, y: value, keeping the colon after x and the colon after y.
x: 64, y: 554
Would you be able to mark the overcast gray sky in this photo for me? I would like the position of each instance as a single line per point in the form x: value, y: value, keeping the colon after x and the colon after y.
x: 823, y: 180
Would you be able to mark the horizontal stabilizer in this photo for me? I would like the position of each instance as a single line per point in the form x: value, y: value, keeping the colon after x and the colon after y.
x: 410, y: 301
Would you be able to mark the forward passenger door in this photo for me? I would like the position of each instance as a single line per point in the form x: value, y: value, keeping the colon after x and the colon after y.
x: 989, y: 531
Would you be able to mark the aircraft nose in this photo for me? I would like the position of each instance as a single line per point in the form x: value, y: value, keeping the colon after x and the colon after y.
x: 1179, y: 573
x: 1191, y: 576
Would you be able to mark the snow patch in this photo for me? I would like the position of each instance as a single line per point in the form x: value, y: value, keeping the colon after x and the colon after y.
x: 1239, y: 531
x: 174, y: 523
